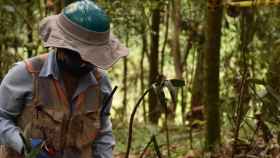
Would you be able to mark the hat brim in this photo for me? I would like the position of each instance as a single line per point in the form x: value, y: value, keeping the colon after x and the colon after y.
x: 102, y: 56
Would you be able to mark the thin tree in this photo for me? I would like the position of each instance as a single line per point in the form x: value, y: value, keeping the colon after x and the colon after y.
x: 197, y: 88
x: 212, y: 61
x: 166, y: 33
x: 142, y: 71
x: 176, y: 38
x: 29, y: 30
x: 154, y: 109
x: 124, y: 101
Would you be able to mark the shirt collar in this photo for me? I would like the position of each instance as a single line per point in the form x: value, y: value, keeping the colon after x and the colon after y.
x: 50, y: 69
x: 85, y: 82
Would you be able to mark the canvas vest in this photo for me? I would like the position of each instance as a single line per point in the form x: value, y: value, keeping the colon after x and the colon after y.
x: 49, y: 117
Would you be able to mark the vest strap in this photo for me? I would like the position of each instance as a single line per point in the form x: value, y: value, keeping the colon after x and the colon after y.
x: 34, y: 66
x: 97, y: 74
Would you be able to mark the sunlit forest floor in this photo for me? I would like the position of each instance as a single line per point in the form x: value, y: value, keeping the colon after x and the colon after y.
x: 190, y: 144
x: 141, y: 136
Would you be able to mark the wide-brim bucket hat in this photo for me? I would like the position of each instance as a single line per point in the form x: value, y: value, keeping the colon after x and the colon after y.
x: 101, y: 49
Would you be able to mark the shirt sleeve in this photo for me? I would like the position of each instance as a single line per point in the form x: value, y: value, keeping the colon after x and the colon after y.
x: 15, y: 90
x: 104, y: 143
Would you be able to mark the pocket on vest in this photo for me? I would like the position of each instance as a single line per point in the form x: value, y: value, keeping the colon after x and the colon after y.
x: 47, y: 125
x: 83, y: 128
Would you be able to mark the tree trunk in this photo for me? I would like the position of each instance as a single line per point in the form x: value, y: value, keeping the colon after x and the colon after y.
x: 246, y: 36
x: 29, y: 31
x: 167, y: 15
x: 212, y: 60
x: 197, y: 88
x: 176, y: 38
x: 270, y: 109
x: 124, y: 108
x: 175, y: 44
x: 241, y: 84
x: 154, y: 108
x: 144, y: 50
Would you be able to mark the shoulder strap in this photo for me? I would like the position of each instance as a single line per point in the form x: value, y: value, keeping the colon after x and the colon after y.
x: 97, y: 74
x: 34, y: 65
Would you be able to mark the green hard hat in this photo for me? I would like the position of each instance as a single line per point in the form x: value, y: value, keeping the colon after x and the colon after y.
x: 88, y: 15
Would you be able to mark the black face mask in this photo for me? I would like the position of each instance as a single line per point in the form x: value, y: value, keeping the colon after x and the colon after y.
x: 73, y: 64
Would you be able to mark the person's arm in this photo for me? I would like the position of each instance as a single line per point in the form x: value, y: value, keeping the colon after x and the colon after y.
x: 104, y: 143
x: 15, y: 90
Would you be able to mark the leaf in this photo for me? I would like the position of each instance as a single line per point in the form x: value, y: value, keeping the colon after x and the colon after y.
x: 159, y: 93
x: 177, y: 83
x: 172, y: 90
x: 198, y: 122
x: 262, y: 93
x: 161, y: 97
x: 34, y: 152
x: 155, y: 87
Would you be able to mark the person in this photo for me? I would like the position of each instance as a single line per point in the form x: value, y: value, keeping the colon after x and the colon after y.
x: 53, y: 102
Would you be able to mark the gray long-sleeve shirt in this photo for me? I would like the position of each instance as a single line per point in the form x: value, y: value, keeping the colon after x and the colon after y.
x: 16, y: 91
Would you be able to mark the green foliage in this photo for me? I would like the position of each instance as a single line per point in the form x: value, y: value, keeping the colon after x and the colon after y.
x: 142, y: 136
x: 33, y: 153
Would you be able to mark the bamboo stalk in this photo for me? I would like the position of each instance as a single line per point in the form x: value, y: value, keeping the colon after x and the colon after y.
x: 254, y: 3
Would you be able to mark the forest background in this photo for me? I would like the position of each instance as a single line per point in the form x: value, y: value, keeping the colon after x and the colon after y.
x: 227, y: 54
